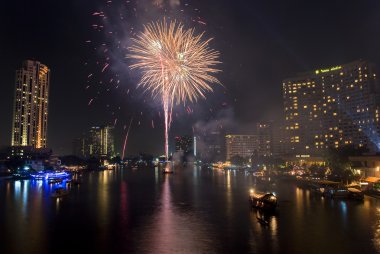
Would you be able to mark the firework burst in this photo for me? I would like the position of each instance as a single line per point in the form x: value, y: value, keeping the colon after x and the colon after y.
x: 177, y: 65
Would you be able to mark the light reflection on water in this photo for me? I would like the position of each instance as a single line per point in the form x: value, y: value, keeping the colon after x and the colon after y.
x: 192, y: 211
x: 376, y: 227
x: 171, y: 230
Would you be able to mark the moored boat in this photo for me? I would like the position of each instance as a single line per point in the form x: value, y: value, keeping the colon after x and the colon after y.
x: 328, y: 189
x: 21, y: 175
x: 355, y: 194
x: 336, y: 192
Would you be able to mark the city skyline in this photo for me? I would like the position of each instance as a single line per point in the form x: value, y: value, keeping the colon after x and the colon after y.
x: 271, y: 62
x: 190, y: 126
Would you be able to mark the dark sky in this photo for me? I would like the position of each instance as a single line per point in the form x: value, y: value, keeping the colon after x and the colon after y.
x: 261, y: 43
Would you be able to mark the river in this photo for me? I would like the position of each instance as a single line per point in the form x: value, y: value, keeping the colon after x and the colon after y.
x: 192, y: 211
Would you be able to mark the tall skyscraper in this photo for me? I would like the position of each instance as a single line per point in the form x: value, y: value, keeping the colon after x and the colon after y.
x: 333, y: 107
x: 265, y: 139
x: 30, y: 110
x: 99, y: 142
x: 279, y: 140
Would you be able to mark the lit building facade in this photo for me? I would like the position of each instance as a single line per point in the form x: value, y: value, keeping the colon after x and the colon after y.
x: 98, y: 143
x: 30, y: 108
x: 264, y: 139
x: 279, y: 140
x: 241, y: 145
x: 332, y: 107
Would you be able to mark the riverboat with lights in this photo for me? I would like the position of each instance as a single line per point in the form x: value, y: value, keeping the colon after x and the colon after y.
x: 264, y: 201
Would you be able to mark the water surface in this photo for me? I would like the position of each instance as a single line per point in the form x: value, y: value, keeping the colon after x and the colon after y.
x: 192, y: 211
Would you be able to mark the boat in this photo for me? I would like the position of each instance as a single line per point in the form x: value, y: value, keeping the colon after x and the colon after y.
x: 355, y: 194
x: 264, y: 201
x: 51, y: 176
x: 55, y: 180
x: 316, y: 189
x: 168, y: 169
x: 59, y: 192
x: 336, y: 192
x: 21, y: 175
x: 328, y: 188
x: 38, y: 176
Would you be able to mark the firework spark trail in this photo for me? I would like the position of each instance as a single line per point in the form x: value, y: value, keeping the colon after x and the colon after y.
x: 177, y: 65
x: 105, y: 67
x: 126, y: 138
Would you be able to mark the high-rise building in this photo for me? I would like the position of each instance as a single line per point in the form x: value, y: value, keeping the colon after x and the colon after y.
x: 30, y: 110
x: 332, y: 107
x: 107, y: 141
x: 244, y: 146
x: 264, y: 139
x: 99, y: 142
x: 279, y: 140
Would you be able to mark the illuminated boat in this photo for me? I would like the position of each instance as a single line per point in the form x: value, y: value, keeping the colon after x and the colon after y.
x: 168, y: 169
x: 264, y: 201
x: 50, y: 176
x: 54, y: 180
x: 38, y: 176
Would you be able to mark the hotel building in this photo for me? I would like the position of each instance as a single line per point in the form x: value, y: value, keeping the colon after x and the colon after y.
x: 241, y: 145
x: 332, y: 107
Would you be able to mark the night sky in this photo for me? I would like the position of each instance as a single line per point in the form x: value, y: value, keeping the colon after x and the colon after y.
x: 261, y: 43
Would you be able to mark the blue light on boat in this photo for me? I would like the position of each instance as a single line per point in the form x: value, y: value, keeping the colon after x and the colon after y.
x: 50, y: 175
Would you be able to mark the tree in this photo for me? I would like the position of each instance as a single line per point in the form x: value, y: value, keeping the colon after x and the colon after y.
x: 338, y: 159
